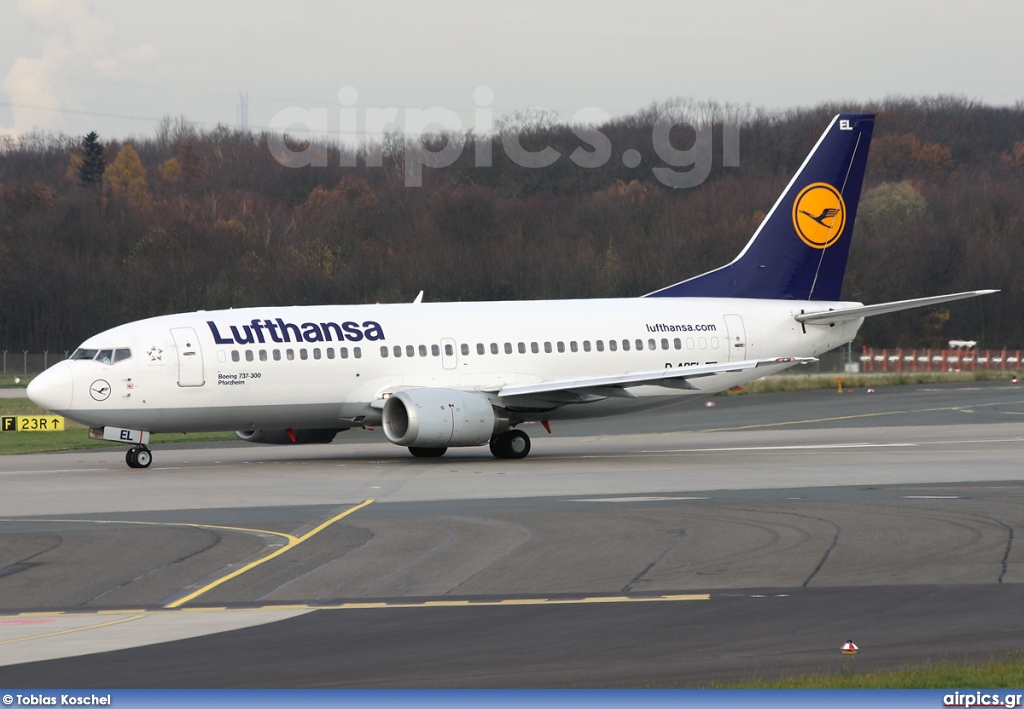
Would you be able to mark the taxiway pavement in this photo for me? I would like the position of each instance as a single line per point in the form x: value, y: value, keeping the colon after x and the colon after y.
x: 690, y: 545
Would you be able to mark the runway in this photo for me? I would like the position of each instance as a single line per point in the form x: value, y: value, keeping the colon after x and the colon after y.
x: 690, y: 546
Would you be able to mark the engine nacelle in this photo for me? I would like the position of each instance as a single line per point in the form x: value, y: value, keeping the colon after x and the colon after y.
x: 440, y: 418
x: 281, y: 437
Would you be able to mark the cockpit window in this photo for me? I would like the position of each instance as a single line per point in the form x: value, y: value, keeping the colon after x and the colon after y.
x: 103, y: 356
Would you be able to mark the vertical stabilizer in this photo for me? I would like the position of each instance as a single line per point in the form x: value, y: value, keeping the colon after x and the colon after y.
x: 799, y: 251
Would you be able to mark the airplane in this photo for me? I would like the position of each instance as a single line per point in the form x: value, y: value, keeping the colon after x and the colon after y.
x: 441, y: 375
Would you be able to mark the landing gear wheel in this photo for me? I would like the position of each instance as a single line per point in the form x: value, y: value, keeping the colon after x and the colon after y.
x: 511, y: 445
x: 139, y: 457
x: 427, y: 452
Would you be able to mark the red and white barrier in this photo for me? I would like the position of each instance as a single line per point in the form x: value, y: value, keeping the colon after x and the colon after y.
x: 928, y: 360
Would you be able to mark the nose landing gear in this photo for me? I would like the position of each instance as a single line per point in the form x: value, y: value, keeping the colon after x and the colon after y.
x: 138, y: 457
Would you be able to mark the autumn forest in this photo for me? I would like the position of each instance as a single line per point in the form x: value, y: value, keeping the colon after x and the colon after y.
x: 96, y: 232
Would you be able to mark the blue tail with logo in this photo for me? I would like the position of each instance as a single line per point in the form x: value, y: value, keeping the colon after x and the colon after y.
x: 799, y: 251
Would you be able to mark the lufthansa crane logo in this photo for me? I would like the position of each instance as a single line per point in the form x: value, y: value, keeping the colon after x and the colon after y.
x: 819, y: 215
x: 99, y: 390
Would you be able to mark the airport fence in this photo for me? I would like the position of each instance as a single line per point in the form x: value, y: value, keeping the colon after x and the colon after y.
x: 24, y: 362
x: 927, y: 360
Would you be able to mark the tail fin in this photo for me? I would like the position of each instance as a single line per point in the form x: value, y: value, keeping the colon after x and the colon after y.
x: 799, y: 251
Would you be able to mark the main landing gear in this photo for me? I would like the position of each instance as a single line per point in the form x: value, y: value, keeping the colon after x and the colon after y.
x: 511, y: 444
x: 427, y: 452
x: 138, y: 457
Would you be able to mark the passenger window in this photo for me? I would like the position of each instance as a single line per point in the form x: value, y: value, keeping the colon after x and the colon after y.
x: 480, y: 348
x: 410, y: 351
x: 263, y: 355
x: 316, y: 353
x: 522, y: 348
x: 534, y: 347
x: 714, y: 343
x: 448, y: 350
x: 122, y: 354
x: 612, y: 345
x: 625, y: 345
x: 249, y: 356
x: 678, y: 343
x: 235, y: 357
x: 547, y: 347
x: 343, y: 352
x: 398, y: 350
x: 664, y: 343
x: 221, y: 357
x: 289, y: 355
x: 383, y: 350
x: 330, y: 353
x: 303, y: 354
x: 586, y: 345
x: 465, y: 348
x: 639, y: 345
x: 357, y: 352
x: 508, y: 348
x: 423, y: 350
x: 277, y: 355
x: 600, y: 345
x: 435, y: 350
x: 652, y: 344
x: 561, y: 347
x: 703, y: 342
x: 689, y: 343
x: 494, y: 348
x: 573, y: 346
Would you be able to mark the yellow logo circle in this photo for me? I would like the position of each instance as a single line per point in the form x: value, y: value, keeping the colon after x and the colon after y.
x: 819, y: 215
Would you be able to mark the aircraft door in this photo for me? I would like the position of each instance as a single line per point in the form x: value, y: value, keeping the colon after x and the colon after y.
x: 190, y: 357
x: 449, y: 358
x: 737, y: 338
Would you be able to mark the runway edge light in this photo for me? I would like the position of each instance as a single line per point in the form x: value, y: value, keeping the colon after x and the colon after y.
x: 849, y: 648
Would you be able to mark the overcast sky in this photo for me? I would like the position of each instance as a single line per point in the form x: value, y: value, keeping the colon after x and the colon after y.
x: 117, y: 66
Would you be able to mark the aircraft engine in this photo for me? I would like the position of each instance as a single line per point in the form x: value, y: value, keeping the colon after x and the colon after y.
x: 288, y: 436
x: 439, y: 418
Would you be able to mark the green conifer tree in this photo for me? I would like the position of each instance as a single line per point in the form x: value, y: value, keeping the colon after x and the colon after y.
x: 90, y: 172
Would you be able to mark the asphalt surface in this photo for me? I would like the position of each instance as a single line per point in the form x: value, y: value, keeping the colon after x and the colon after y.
x: 688, y: 546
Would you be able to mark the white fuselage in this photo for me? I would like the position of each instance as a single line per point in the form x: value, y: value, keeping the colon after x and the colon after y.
x: 332, y: 366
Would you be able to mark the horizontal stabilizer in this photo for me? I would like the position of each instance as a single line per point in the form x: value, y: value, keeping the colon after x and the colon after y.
x: 863, y: 311
x: 669, y: 377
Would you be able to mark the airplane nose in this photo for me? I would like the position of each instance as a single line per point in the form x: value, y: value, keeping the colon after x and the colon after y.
x: 53, y: 388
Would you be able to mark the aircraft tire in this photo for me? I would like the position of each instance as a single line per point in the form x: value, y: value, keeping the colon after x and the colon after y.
x: 510, y: 445
x: 427, y: 452
x: 143, y: 458
x: 138, y: 457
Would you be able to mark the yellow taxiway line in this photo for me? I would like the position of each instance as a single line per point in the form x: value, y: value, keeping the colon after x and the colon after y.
x: 372, y: 605
x: 292, y: 543
x: 71, y: 630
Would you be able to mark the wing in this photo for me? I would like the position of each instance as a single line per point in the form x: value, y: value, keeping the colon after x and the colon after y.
x: 587, y: 389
